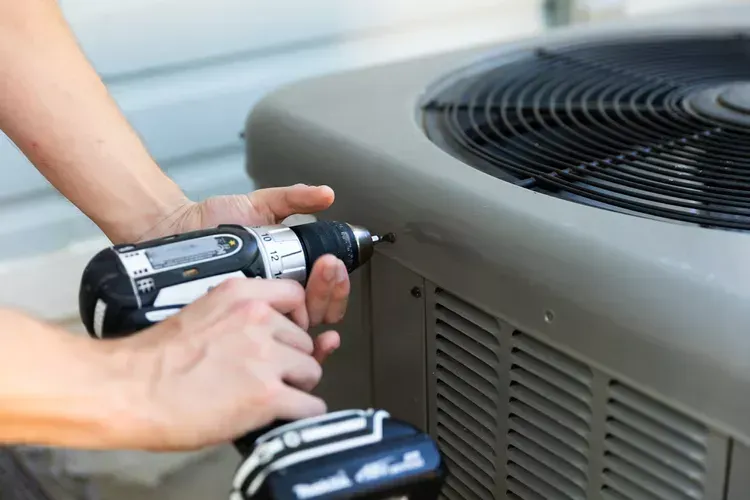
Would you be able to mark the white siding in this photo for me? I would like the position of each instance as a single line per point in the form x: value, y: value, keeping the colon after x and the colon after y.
x: 650, y: 7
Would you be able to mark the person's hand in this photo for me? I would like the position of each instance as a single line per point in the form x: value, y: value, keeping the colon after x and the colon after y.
x: 328, y: 286
x: 226, y: 364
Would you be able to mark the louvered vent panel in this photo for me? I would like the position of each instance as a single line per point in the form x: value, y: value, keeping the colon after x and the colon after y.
x: 549, y: 423
x: 467, y: 379
x: 651, y: 451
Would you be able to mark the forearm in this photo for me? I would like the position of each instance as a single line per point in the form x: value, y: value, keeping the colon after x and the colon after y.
x: 59, y: 389
x: 59, y: 113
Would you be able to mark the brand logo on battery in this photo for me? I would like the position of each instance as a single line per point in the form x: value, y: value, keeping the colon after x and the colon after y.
x: 337, y: 482
x: 386, y: 467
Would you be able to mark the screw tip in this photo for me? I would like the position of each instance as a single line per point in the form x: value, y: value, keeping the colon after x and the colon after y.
x: 389, y: 237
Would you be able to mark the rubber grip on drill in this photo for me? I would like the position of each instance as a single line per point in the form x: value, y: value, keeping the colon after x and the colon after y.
x: 328, y: 237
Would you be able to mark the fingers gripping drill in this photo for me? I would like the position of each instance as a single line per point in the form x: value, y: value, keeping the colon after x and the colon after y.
x: 351, y: 454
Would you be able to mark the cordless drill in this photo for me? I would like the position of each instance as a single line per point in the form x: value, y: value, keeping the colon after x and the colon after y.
x: 128, y: 287
x: 362, y: 454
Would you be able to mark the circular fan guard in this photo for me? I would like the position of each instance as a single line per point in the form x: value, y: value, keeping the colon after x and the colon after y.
x: 656, y: 127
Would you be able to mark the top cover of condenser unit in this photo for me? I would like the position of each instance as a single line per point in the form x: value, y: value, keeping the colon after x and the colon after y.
x: 663, y: 304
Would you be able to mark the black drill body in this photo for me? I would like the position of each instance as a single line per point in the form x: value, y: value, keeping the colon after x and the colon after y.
x: 128, y: 287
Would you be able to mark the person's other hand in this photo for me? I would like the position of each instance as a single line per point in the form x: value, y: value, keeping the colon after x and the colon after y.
x: 226, y: 364
x: 328, y: 287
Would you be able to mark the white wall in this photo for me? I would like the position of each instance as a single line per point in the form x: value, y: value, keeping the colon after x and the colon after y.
x: 594, y: 10
x: 638, y: 7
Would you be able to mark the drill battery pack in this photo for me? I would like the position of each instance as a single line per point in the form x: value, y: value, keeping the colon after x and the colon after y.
x: 351, y: 454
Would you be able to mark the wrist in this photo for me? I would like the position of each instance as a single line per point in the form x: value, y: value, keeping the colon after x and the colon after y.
x: 120, y: 391
x: 131, y: 413
x: 153, y: 207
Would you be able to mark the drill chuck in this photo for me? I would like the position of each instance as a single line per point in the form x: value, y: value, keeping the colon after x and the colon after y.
x: 292, y: 251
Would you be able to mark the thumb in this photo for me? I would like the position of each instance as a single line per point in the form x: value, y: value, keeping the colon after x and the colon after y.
x: 325, y: 345
x: 276, y: 204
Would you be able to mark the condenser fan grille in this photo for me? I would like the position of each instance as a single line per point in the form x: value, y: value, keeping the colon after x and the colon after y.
x: 656, y: 127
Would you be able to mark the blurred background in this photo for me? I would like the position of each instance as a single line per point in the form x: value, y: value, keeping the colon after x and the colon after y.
x: 186, y: 74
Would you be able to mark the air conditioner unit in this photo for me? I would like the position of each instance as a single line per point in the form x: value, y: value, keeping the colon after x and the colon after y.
x: 567, y: 307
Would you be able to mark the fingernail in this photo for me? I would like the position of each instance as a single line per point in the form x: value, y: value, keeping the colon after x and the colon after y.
x: 341, y: 273
x: 330, y: 272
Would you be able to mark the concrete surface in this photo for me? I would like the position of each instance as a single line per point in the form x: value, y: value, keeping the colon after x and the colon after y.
x: 206, y: 479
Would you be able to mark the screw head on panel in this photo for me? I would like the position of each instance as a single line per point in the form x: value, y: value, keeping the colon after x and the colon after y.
x: 549, y: 316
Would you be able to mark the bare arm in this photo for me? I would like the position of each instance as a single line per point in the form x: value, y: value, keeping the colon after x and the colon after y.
x: 56, y: 109
x: 62, y: 390
x: 229, y: 362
